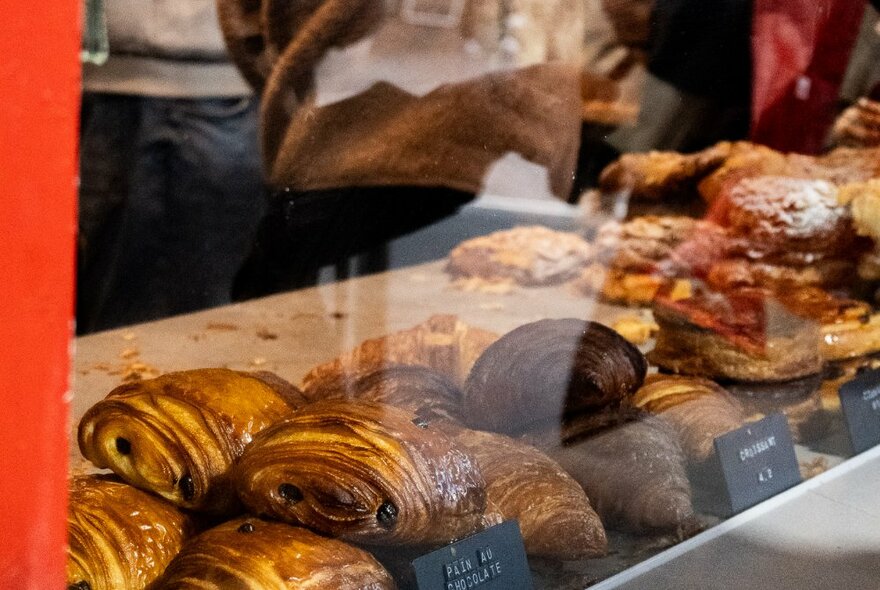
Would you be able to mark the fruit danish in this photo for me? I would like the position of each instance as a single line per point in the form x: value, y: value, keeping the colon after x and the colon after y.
x: 253, y: 554
x: 364, y: 472
x: 542, y: 371
x: 178, y: 435
x: 120, y: 536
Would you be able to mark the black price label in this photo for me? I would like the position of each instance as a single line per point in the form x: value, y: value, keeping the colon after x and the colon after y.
x: 860, y: 401
x: 494, y: 559
x: 757, y: 462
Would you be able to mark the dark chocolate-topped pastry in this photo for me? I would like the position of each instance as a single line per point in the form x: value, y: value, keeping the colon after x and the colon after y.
x: 252, y: 554
x: 544, y: 370
x: 634, y: 474
x: 698, y: 409
x: 178, y: 435
x: 364, y: 472
x: 523, y: 484
x: 119, y: 536
x: 424, y: 391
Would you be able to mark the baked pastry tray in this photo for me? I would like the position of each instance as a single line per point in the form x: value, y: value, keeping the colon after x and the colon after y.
x: 292, y: 332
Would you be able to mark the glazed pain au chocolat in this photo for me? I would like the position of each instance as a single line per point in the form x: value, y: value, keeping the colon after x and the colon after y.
x: 253, y: 554
x: 178, y: 435
x: 364, y: 472
x: 120, y: 536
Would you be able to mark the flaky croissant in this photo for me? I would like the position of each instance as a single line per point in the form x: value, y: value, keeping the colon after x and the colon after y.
x: 120, y: 536
x: 443, y: 343
x: 634, y: 474
x: 419, y: 389
x: 698, y: 409
x: 523, y: 484
x: 253, y: 554
x: 179, y: 434
x: 364, y: 472
x: 547, y: 369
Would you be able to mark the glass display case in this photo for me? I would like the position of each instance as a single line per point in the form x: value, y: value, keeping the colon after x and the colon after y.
x: 549, y: 295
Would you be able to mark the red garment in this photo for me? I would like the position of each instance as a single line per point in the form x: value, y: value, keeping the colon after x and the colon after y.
x: 801, y: 49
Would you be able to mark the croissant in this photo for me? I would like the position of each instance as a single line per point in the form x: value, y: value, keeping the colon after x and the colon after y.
x: 419, y: 389
x: 120, y: 536
x: 179, y: 434
x: 364, y: 472
x: 549, y: 368
x: 523, y: 484
x: 443, y: 343
x: 634, y: 474
x: 698, y: 409
x: 253, y: 554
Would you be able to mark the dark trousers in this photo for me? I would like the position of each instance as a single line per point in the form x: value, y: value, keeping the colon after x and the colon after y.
x: 170, y: 199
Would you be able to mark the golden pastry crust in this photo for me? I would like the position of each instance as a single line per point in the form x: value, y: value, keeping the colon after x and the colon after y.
x: 789, y: 214
x: 253, y: 554
x: 120, y: 536
x: 443, y: 343
x: 554, y: 514
x: 858, y: 125
x: 549, y: 368
x: 418, y: 389
x: 639, y: 244
x: 529, y: 255
x: 743, y: 336
x: 364, y: 472
x: 737, y: 273
x: 698, y: 409
x: 656, y: 175
x: 178, y: 435
x: 798, y: 399
x: 632, y: 289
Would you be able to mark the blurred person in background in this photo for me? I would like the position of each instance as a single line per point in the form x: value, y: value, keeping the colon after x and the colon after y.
x: 171, y: 189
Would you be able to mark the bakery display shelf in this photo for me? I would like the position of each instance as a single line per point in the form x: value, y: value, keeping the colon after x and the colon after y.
x: 292, y: 332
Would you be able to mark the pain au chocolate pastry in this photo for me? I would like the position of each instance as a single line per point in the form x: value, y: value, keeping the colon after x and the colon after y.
x: 253, y: 554
x: 546, y: 369
x: 178, y: 435
x: 364, y: 472
x: 120, y: 536
x: 418, y: 389
x: 698, y: 409
x: 740, y: 336
x: 523, y: 484
x: 529, y: 255
x: 633, y: 471
x: 443, y: 343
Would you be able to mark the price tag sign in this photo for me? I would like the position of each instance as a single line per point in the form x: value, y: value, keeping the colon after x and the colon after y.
x: 860, y: 401
x: 494, y: 559
x: 757, y: 462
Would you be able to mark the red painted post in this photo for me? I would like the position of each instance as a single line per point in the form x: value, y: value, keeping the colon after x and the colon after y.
x: 39, y: 83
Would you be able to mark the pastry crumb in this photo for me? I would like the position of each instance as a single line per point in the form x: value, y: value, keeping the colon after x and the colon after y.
x: 636, y: 330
